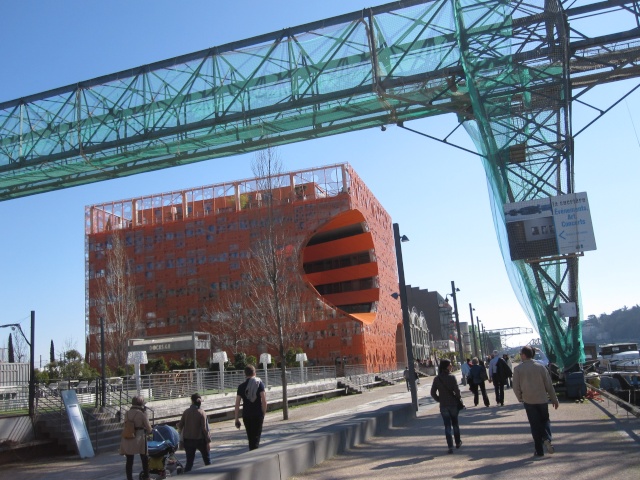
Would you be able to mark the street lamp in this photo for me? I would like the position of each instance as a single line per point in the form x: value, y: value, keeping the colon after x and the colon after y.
x: 405, y: 314
x: 473, y: 331
x: 103, y: 374
x: 478, y: 322
x: 486, y: 342
x: 455, y: 306
x: 32, y: 368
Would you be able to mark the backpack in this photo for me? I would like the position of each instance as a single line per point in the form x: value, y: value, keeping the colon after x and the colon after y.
x: 129, y: 430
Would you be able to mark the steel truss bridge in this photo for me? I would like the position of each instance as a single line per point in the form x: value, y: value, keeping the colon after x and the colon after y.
x: 509, y: 70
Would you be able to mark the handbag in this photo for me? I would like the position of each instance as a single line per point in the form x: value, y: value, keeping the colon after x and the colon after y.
x: 129, y: 430
x: 460, y: 405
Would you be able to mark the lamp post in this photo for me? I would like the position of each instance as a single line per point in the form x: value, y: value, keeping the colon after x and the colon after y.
x: 32, y: 368
x: 473, y: 331
x: 478, y: 322
x: 103, y: 375
x: 484, y: 336
x: 455, y: 306
x: 405, y: 314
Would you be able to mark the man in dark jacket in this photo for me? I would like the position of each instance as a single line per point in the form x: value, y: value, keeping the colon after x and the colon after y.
x: 499, y: 372
x: 194, y: 427
x: 252, y: 394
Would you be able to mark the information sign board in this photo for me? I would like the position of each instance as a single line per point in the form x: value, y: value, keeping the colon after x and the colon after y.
x: 549, y: 226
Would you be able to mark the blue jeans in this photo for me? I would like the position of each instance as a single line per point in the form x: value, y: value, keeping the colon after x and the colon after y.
x: 538, y: 415
x: 450, y: 418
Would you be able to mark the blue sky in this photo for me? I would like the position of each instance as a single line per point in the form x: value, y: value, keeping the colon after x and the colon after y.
x: 437, y: 194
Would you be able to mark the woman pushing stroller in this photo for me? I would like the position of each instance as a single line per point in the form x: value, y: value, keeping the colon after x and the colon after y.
x: 138, y: 444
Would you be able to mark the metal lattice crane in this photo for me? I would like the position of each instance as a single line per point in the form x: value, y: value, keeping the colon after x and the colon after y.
x: 509, y: 71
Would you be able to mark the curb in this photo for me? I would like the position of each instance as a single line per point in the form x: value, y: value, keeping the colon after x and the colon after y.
x: 286, y: 458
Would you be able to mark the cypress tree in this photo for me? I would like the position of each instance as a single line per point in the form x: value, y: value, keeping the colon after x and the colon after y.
x: 52, y: 353
x: 11, y: 355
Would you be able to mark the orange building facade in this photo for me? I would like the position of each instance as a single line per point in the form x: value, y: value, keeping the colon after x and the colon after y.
x: 186, y: 250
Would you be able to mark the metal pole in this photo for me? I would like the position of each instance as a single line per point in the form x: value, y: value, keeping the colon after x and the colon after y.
x: 195, y: 359
x: 103, y: 380
x: 32, y: 367
x: 479, y: 337
x: 486, y: 343
x: 405, y: 318
x: 473, y: 331
x: 455, y: 306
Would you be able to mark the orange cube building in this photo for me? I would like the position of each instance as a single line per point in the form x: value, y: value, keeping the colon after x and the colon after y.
x: 187, y: 248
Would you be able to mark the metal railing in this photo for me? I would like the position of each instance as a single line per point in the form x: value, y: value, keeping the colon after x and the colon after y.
x: 625, y: 385
x: 14, y: 399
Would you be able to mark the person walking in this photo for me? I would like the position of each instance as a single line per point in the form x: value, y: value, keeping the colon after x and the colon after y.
x: 498, y: 374
x: 532, y: 386
x: 477, y: 376
x: 464, y: 369
x: 406, y: 376
x: 445, y: 391
x: 254, y: 406
x: 507, y: 359
x: 194, y: 427
x: 130, y: 447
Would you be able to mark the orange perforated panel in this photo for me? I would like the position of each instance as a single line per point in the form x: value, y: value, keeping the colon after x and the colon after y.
x: 343, y: 274
x: 337, y: 248
x: 347, y: 218
x: 188, y: 255
x: 347, y: 298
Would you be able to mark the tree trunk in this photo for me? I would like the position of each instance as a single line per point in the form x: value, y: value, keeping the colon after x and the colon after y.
x: 283, y: 378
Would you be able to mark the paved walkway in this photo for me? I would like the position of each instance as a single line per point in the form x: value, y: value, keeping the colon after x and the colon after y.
x: 593, y: 440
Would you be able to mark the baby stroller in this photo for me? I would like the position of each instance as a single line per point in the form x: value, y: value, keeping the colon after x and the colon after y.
x: 162, y: 460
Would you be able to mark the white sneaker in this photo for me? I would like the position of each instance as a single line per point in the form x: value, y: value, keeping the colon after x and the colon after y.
x: 548, y: 446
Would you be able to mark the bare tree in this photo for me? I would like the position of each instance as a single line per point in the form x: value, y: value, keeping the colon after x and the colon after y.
x: 20, y: 347
x: 225, y: 320
x: 275, y: 290
x: 69, y: 344
x: 117, y: 303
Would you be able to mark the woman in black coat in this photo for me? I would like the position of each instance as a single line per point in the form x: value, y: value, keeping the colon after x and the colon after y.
x: 446, y: 392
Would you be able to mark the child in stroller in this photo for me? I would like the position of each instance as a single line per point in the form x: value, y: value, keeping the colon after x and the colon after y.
x: 162, y: 460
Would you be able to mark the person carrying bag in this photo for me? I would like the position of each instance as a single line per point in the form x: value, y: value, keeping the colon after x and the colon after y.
x: 135, y: 444
x: 445, y: 391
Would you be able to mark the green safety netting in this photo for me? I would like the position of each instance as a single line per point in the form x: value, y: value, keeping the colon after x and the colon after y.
x: 501, y: 66
x: 520, y: 123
